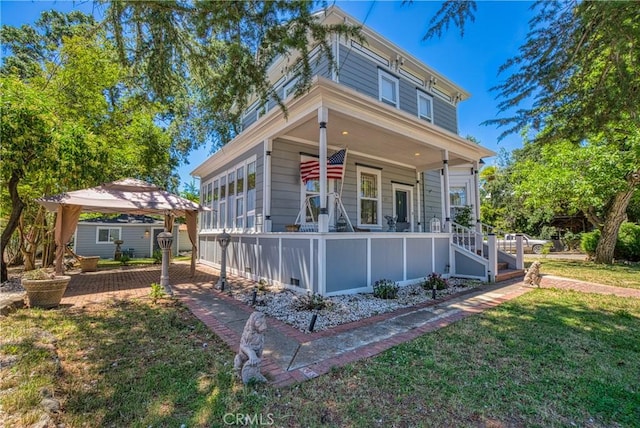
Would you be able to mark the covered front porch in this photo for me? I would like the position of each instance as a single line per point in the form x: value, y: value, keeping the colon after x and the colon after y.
x: 391, y: 157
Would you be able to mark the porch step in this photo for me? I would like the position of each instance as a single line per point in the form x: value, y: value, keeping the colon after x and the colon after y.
x: 503, y: 266
x: 505, y: 274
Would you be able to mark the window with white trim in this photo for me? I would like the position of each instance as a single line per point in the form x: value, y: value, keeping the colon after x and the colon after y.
x: 289, y: 88
x: 208, y: 198
x: 369, y: 197
x: 458, y: 196
x: 388, y: 88
x: 240, y: 197
x: 214, y: 204
x: 222, y: 213
x: 106, y: 235
x: 251, y: 195
x: 425, y: 107
x: 233, y: 197
x: 311, y: 191
x: 262, y: 110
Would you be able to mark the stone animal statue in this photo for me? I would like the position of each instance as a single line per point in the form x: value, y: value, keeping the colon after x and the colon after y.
x: 533, y: 276
x: 247, y: 360
x: 391, y: 222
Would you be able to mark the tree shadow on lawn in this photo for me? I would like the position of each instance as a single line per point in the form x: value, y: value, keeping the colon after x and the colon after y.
x: 135, y: 364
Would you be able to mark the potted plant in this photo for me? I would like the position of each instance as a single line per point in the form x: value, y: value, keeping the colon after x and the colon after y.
x: 89, y: 264
x: 44, y: 289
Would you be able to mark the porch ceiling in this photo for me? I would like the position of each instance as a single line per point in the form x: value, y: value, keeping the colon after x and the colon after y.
x: 372, y: 128
x: 369, y: 139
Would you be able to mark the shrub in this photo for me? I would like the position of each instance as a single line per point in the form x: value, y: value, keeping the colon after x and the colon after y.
x: 464, y: 216
x: 157, y: 256
x: 589, y: 242
x: 385, y: 289
x: 124, y: 259
x: 572, y: 240
x: 38, y: 274
x: 437, y: 280
x: 628, y: 244
x: 311, y: 302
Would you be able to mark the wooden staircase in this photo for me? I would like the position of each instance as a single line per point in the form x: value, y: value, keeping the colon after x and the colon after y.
x: 504, y: 273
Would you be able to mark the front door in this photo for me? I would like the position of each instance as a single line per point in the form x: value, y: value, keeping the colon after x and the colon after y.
x: 403, y: 207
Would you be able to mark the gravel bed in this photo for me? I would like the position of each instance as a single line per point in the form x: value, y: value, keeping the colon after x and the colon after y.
x: 283, y: 304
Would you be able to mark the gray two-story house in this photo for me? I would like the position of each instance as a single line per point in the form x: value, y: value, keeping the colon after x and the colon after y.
x: 355, y: 184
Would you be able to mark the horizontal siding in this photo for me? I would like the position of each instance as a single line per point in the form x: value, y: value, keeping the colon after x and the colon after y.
x: 361, y: 73
x: 285, y: 183
x: 408, y: 97
x: 357, y: 72
x: 320, y: 67
x: 132, y: 235
x: 444, y: 115
x: 432, y: 197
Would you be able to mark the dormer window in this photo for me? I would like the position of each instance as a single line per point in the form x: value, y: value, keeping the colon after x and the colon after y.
x: 388, y: 88
x: 425, y: 107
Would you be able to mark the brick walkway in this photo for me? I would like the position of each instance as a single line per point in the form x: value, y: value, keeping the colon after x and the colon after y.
x: 291, y: 355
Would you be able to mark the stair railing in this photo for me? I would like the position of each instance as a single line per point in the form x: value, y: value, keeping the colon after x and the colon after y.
x: 464, y: 237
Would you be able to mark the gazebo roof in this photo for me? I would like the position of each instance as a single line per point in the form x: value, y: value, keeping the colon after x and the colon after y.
x: 123, y: 196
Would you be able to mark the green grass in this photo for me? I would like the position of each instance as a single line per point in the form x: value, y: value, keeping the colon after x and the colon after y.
x: 110, y: 263
x: 548, y: 358
x: 619, y: 274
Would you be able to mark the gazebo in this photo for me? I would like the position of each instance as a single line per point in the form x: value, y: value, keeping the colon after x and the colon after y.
x: 122, y: 196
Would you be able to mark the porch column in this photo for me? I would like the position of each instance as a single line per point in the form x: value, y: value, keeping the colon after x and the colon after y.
x: 418, y: 219
x: 323, y: 218
x: 266, y: 197
x: 476, y: 187
x: 446, y: 197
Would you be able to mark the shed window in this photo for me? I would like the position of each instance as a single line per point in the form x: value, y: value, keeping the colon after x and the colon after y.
x: 106, y: 235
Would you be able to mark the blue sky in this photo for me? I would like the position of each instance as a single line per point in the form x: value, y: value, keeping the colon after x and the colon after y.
x: 471, y: 61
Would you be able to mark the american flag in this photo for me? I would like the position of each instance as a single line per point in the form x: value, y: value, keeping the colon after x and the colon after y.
x: 310, y: 170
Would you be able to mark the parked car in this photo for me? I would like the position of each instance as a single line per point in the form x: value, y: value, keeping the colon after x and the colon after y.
x: 531, y: 245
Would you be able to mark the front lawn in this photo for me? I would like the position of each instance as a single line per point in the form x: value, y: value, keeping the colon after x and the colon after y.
x: 619, y: 274
x: 548, y: 358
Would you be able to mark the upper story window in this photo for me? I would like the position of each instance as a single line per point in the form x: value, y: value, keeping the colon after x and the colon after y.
x: 289, y: 88
x: 106, y: 235
x: 425, y: 107
x: 388, y: 88
x: 262, y: 110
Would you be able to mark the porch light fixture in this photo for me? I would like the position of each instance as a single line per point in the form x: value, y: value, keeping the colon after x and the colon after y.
x: 147, y: 233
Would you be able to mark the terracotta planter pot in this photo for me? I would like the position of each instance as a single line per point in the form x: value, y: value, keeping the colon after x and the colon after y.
x: 89, y: 264
x: 45, y: 293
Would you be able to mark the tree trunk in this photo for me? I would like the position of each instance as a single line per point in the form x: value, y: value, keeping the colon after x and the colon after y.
x: 16, y: 209
x: 609, y: 231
